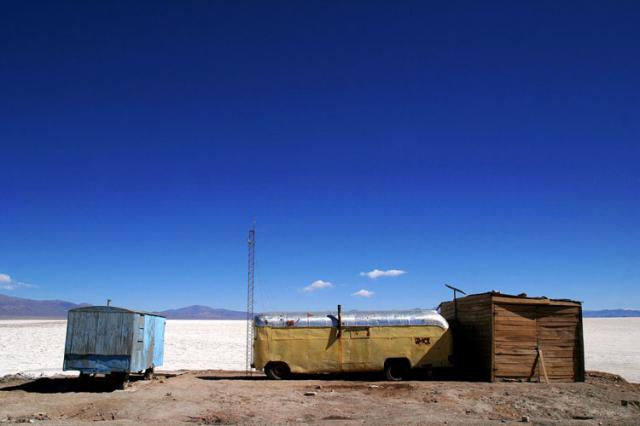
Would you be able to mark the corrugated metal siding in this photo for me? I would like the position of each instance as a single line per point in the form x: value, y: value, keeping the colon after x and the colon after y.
x: 104, y: 339
x: 80, y: 333
x: 101, y: 333
x: 158, y: 345
x: 114, y: 334
x: 149, y: 339
x: 149, y: 343
x: 138, y: 357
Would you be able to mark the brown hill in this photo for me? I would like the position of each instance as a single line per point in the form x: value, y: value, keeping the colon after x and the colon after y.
x: 16, y: 307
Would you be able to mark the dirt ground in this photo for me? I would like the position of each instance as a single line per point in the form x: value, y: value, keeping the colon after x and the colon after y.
x: 216, y: 397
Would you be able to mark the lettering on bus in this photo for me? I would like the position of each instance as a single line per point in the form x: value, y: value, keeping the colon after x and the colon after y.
x: 423, y: 340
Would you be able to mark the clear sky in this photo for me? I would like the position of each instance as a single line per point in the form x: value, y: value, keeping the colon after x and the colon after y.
x: 492, y: 145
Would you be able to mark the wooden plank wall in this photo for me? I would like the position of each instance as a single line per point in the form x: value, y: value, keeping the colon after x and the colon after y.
x: 520, y: 329
x: 472, y: 339
x: 515, y: 342
x: 559, y: 337
x: 497, y: 337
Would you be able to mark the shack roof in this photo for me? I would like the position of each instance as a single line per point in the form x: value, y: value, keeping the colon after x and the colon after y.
x: 112, y: 309
x: 351, y: 318
x: 522, y: 298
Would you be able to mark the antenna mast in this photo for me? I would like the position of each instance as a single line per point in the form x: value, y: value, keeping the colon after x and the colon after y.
x: 251, y: 243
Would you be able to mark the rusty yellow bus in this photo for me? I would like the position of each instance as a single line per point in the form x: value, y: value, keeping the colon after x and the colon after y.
x: 325, y: 342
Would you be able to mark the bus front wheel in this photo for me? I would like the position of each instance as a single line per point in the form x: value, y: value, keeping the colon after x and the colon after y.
x: 277, y: 370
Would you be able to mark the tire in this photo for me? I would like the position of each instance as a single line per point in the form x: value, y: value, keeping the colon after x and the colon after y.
x: 148, y: 373
x: 396, y: 370
x: 277, y: 370
x: 119, y: 379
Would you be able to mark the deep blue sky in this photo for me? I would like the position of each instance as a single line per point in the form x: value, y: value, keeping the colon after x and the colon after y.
x: 493, y: 145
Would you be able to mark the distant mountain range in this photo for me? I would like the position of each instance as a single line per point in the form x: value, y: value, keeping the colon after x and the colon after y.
x: 203, y: 312
x: 16, y: 308
x: 611, y: 313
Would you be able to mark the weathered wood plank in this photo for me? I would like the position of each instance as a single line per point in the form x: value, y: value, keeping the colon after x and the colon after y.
x: 528, y: 301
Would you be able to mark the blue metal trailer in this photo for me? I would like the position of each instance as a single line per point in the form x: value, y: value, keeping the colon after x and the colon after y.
x: 113, y: 341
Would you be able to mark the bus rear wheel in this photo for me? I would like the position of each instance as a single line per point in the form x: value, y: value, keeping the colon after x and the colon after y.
x: 277, y: 370
x: 396, y: 370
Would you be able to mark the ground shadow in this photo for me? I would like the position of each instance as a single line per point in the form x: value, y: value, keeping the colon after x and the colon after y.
x: 368, y: 377
x: 223, y: 377
x: 377, y: 376
x: 67, y: 384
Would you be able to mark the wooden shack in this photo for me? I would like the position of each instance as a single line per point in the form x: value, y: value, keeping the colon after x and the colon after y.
x: 504, y: 337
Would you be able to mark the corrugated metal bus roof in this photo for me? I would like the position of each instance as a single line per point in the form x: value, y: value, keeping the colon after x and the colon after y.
x: 351, y: 318
x: 112, y: 309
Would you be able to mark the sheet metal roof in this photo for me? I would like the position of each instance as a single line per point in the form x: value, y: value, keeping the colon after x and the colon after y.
x: 351, y: 318
x: 112, y: 309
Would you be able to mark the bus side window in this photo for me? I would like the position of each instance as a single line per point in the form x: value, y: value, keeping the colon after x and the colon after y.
x: 359, y: 332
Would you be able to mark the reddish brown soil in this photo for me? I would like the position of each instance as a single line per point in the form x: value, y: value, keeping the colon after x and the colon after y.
x: 214, y: 397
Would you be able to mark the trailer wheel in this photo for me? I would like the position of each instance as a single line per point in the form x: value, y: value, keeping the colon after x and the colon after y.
x: 119, y: 379
x: 396, y: 369
x: 124, y: 381
x: 148, y: 373
x: 277, y: 370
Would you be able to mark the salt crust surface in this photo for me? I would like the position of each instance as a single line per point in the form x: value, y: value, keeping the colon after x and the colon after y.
x: 36, y: 347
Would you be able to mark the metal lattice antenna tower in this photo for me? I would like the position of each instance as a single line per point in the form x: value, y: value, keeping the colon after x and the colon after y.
x: 251, y: 242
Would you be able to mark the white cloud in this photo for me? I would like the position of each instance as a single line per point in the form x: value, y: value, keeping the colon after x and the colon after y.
x: 377, y: 273
x: 317, y: 285
x: 8, y: 283
x: 363, y: 293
